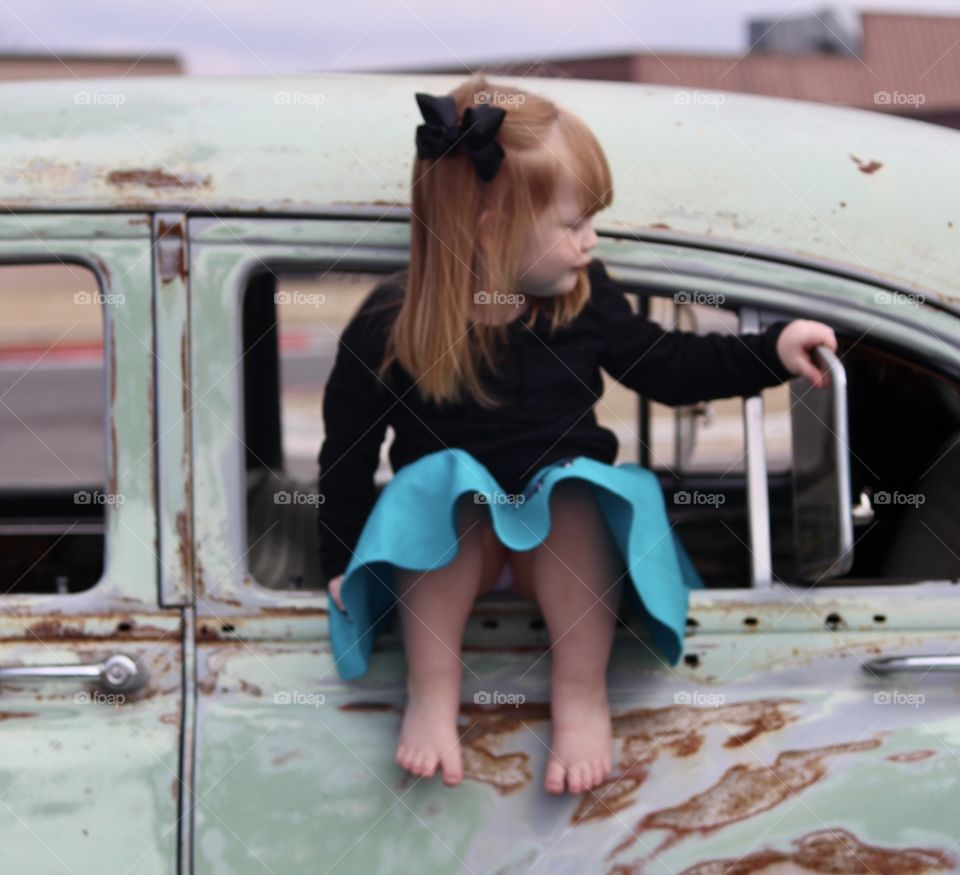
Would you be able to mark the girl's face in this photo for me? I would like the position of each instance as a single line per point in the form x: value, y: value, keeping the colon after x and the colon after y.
x: 557, y: 248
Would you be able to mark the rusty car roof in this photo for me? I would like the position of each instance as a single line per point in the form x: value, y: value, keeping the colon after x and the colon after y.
x: 874, y: 194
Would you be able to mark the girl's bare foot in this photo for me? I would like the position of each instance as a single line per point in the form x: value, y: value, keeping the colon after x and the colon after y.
x: 428, y: 736
x: 582, y: 744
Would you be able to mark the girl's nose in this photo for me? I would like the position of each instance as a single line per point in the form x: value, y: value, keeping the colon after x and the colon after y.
x: 591, y: 239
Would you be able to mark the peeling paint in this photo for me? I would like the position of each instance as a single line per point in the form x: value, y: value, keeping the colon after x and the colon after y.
x: 867, y: 167
x: 744, y: 791
x: 834, y: 851
x: 154, y: 177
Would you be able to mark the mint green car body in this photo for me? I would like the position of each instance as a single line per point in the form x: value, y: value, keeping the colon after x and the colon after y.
x: 245, y: 752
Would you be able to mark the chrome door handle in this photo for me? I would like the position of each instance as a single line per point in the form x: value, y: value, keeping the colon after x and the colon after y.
x: 116, y: 673
x: 888, y: 664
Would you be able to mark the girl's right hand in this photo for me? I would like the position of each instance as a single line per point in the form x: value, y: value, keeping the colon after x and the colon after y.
x: 333, y: 588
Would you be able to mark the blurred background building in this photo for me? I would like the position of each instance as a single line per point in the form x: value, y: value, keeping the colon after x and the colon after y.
x: 897, y: 63
x: 60, y: 65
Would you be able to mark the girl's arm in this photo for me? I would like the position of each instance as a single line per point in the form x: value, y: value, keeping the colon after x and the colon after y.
x: 356, y: 404
x: 682, y: 367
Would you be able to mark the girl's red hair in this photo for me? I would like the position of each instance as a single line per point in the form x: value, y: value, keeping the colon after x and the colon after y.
x: 543, y: 144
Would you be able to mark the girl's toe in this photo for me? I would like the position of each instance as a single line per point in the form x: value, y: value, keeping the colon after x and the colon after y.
x: 553, y: 782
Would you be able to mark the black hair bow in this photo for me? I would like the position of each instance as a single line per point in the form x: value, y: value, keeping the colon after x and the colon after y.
x: 476, y: 134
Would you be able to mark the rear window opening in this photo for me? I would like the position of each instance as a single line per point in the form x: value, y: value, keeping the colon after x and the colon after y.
x: 902, y: 422
x: 53, y: 495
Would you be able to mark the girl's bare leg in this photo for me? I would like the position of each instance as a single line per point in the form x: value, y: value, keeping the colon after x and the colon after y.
x: 433, y: 609
x: 576, y: 576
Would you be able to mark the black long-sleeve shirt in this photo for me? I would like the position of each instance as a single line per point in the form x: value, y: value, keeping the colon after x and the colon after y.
x: 548, y: 385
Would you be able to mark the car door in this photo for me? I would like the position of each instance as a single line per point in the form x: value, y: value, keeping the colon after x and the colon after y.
x: 91, y: 667
x: 762, y: 741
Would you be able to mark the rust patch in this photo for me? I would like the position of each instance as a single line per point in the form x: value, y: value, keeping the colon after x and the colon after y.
x: 13, y: 715
x: 609, y: 798
x: 867, y: 167
x: 183, y: 544
x: 139, y: 220
x: 153, y: 177
x: 252, y: 689
x: 743, y: 792
x: 911, y: 756
x: 835, y: 851
x: 680, y: 728
x: 54, y: 629
x: 505, y: 772
x: 486, y: 726
x: 283, y: 758
x: 171, y: 252
x: 173, y: 718
x: 661, y: 226
x: 123, y: 628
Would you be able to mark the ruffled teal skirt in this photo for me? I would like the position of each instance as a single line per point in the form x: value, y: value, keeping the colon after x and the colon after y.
x: 414, y: 524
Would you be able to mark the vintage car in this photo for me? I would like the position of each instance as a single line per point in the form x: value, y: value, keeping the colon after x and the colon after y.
x: 178, y: 257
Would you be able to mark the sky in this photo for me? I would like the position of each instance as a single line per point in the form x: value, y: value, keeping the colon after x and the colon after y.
x: 243, y: 37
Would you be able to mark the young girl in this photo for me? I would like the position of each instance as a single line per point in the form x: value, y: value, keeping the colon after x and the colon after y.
x: 484, y: 356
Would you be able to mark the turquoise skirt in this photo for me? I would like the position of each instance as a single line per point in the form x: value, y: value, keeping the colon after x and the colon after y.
x: 414, y: 524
